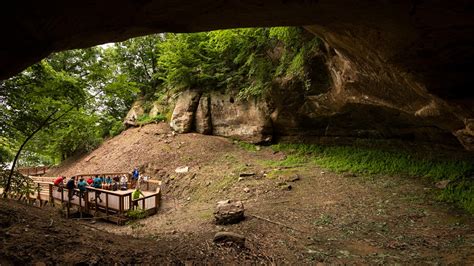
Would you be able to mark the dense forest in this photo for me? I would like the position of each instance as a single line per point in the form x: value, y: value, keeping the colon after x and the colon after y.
x: 71, y: 101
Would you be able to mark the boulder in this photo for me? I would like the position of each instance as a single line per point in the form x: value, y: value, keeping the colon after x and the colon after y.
x: 229, y: 238
x: 184, y: 110
x: 203, y: 116
x: 159, y: 107
x: 247, y: 120
x: 229, y: 212
x: 135, y: 111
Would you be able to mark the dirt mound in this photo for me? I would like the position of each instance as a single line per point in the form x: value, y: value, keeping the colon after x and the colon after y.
x: 153, y: 148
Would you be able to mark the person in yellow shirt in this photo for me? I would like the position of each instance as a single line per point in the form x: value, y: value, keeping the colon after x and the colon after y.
x: 136, y: 195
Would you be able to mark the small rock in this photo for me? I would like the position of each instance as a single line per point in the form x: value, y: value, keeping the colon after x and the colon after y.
x: 208, y: 183
x: 442, y: 184
x: 285, y: 186
x: 182, y: 170
x: 240, y: 179
x: 322, y: 172
x: 228, y: 212
x: 247, y: 174
x: 229, y: 237
x: 246, y: 190
x: 258, y: 148
x: 294, y: 178
x: 188, y: 199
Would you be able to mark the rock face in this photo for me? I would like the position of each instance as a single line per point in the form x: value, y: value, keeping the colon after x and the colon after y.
x: 183, y: 115
x: 339, y: 111
x: 133, y: 114
x: 222, y: 114
x: 203, y: 116
x: 229, y: 212
x: 246, y: 120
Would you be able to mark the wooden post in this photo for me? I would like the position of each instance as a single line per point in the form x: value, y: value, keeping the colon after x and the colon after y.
x: 121, y: 203
x: 86, y: 201
x: 80, y: 203
x: 143, y: 205
x: 107, y: 204
x: 62, y: 196
x: 51, y: 199
x: 68, y: 204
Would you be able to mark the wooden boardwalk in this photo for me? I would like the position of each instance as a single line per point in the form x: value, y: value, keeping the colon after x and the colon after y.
x: 108, y: 204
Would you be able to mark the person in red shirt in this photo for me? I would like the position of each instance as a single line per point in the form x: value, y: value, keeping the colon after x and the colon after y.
x: 59, y: 181
x: 90, y: 181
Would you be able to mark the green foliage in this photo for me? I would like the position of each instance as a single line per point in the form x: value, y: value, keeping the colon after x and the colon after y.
x: 374, y: 161
x: 146, y: 119
x: 21, y: 186
x: 244, y: 59
x: 6, y: 153
x: 136, y: 214
x: 460, y: 192
x: 246, y: 146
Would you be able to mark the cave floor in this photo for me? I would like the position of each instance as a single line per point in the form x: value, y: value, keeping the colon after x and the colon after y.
x: 325, y: 217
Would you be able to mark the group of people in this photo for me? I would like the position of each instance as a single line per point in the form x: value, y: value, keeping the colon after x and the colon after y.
x: 103, y: 182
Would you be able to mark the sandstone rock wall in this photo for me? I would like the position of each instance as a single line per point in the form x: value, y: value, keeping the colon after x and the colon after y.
x: 356, y: 104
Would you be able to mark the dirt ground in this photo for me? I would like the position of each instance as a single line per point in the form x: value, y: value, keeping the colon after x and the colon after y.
x: 319, y: 217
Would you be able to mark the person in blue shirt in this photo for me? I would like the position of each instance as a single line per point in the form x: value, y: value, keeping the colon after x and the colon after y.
x: 135, y: 175
x: 81, y: 185
x: 97, y: 184
x: 108, y: 183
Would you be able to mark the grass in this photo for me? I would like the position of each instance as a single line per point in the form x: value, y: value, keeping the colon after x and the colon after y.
x: 247, y: 146
x: 371, y: 161
x: 146, y: 119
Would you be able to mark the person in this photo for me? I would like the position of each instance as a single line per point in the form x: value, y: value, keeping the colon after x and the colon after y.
x: 108, y: 183
x: 71, y: 185
x: 59, y: 183
x: 135, y: 176
x: 90, y: 181
x: 136, y: 195
x: 97, y: 184
x: 115, y: 186
x: 123, y: 182
x: 82, y: 187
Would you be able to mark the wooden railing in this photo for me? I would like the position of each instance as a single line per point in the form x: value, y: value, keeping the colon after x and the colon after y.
x: 105, y: 174
x: 112, y: 203
x: 33, y: 171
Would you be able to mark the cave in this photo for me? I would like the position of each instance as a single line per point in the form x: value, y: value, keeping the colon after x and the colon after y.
x: 413, y: 57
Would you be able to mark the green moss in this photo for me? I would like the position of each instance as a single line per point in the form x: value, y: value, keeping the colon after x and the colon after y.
x: 247, y: 146
x: 146, y: 119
